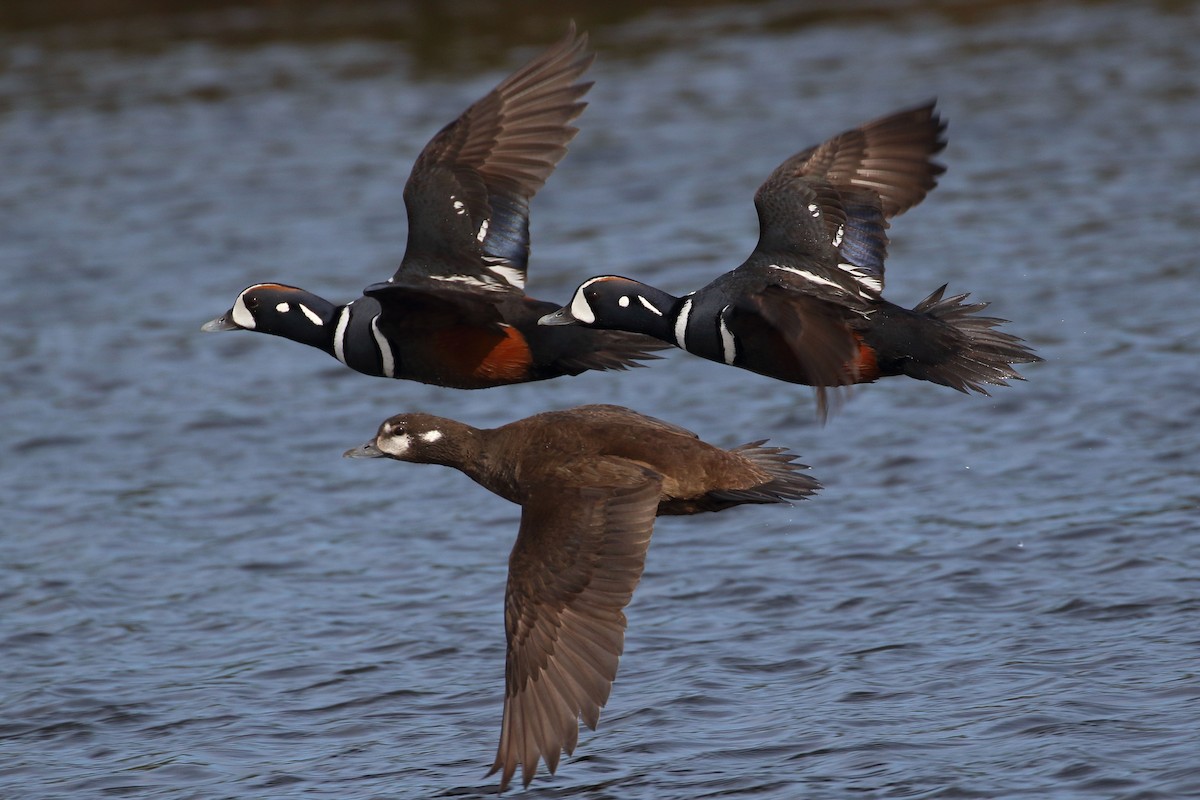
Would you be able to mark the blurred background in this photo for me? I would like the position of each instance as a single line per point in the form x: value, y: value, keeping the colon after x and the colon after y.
x: 993, y: 597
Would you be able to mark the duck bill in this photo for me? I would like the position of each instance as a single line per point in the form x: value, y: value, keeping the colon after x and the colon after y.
x: 222, y: 323
x: 368, y: 450
x: 560, y: 317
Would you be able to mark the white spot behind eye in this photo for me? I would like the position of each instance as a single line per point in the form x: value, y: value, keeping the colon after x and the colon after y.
x: 312, y: 315
x: 394, y: 445
x: 814, y: 210
x: 429, y: 437
x: 623, y: 302
x: 458, y: 205
x: 649, y: 306
x: 283, y: 308
x: 241, y: 315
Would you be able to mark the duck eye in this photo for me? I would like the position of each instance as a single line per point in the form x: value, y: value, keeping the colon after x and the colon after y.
x: 251, y: 302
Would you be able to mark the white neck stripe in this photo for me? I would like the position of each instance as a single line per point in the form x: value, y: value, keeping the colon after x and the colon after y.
x: 681, y: 322
x: 386, y: 358
x: 339, y: 334
x: 728, y: 343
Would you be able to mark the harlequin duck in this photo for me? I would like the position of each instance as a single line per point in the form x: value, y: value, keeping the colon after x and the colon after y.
x: 590, y: 481
x: 455, y: 313
x: 807, y: 305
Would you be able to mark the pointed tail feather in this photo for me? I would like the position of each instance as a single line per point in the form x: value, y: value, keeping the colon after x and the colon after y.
x: 786, y: 483
x: 974, y: 352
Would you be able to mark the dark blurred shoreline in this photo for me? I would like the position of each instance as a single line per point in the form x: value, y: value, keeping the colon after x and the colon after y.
x: 436, y: 32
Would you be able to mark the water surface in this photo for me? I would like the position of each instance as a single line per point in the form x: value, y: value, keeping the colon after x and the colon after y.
x: 993, y: 597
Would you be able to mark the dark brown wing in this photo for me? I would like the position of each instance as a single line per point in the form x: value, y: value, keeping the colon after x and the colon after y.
x: 578, y: 556
x: 889, y: 156
x: 816, y: 334
x: 826, y: 208
x: 468, y: 194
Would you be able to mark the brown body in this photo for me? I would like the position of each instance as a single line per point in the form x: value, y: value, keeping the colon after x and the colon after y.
x: 590, y: 481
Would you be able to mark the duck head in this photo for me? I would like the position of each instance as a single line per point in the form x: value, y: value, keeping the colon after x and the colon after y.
x: 611, y: 302
x: 281, y: 310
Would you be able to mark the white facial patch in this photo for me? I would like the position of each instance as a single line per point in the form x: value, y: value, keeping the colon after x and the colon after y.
x: 623, y: 302
x: 283, y: 308
x: 649, y: 306
x: 681, y: 322
x: 581, y: 310
x: 837, y: 239
x: 814, y: 209
x: 429, y: 437
x: 393, y: 445
x: 241, y: 315
x: 312, y: 315
x: 459, y: 207
x: 483, y: 229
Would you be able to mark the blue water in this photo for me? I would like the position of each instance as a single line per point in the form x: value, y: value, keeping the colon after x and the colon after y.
x: 992, y: 598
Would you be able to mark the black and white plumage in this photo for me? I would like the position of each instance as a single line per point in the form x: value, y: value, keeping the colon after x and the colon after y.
x: 455, y: 312
x: 807, y: 306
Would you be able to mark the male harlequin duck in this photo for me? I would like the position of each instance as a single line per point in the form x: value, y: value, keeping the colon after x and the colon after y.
x: 590, y: 481
x: 807, y: 305
x: 455, y: 313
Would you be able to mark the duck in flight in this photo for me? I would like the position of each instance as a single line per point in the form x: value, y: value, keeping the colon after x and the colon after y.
x: 807, y: 306
x: 590, y: 482
x: 455, y: 313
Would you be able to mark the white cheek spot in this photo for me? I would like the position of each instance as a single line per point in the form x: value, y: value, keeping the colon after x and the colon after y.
x: 283, y: 308
x: 241, y: 315
x: 814, y: 209
x: 312, y: 315
x: 649, y: 306
x: 581, y: 310
x: 459, y: 207
x: 394, y: 445
x: 429, y: 437
x: 623, y: 302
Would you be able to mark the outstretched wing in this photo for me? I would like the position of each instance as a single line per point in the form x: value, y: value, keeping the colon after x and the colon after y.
x: 889, y: 156
x: 468, y: 194
x: 578, y: 556
x: 830, y: 204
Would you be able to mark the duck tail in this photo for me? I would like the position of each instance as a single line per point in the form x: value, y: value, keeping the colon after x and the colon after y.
x: 786, y: 482
x: 962, y: 349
